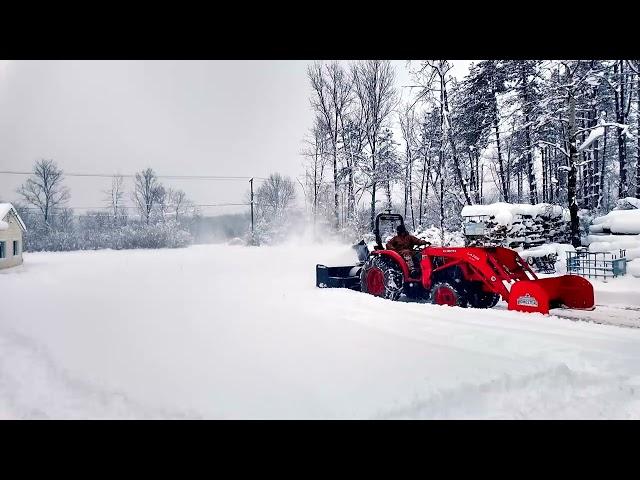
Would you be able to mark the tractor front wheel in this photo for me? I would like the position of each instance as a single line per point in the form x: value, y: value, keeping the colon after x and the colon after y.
x: 482, y: 299
x: 382, y: 277
x: 444, y: 293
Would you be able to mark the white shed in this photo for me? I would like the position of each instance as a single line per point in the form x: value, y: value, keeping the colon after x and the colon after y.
x: 11, y: 230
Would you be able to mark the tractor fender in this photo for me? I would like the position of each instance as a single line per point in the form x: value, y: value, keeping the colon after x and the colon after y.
x: 396, y: 258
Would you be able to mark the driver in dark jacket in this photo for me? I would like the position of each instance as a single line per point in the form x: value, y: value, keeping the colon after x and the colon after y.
x: 403, y: 243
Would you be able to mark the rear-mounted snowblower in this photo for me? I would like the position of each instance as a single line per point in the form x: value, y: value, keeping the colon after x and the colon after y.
x: 467, y: 276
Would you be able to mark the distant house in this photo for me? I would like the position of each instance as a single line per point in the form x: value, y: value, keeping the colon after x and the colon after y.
x: 11, y: 230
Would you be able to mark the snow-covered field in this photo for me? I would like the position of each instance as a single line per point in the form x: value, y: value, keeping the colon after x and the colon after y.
x: 234, y: 332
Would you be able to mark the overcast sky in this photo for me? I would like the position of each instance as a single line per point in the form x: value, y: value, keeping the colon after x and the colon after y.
x: 239, y: 118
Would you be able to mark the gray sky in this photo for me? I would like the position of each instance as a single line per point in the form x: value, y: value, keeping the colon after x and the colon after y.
x: 239, y: 118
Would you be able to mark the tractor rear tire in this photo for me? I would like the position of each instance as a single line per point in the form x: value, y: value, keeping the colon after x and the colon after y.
x: 382, y: 277
x: 445, y: 293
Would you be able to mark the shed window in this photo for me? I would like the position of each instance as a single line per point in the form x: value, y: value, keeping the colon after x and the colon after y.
x: 16, y: 247
x: 2, y: 252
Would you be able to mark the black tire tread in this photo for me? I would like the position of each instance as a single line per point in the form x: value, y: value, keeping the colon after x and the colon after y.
x: 387, y: 266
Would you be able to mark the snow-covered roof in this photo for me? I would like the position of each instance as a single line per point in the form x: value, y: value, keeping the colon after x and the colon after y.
x: 5, y: 208
x: 504, y: 213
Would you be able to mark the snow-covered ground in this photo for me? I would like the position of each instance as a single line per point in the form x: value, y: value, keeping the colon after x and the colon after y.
x: 235, y: 332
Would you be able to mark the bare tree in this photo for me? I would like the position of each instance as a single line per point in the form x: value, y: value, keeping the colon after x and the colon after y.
x: 331, y: 89
x: 622, y: 104
x: 275, y: 195
x: 373, y: 82
x: 408, y: 125
x: 316, y: 152
x: 148, y: 192
x: 44, y: 190
x: 634, y: 66
x: 180, y: 202
x: 115, y: 195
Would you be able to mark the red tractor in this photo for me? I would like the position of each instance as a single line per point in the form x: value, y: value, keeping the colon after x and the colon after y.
x: 457, y: 276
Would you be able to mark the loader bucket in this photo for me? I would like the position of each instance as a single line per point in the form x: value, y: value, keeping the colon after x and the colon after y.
x: 338, y: 277
x: 568, y: 291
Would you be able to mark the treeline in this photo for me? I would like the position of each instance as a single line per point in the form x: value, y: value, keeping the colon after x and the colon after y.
x: 530, y: 131
x: 162, y: 217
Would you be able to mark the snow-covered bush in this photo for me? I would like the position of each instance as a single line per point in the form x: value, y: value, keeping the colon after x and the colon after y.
x: 98, y: 231
x: 434, y: 236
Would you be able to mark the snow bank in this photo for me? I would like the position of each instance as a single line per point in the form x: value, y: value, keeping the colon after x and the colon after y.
x: 218, y: 331
x: 506, y: 213
x: 613, y: 244
x: 618, y: 229
x: 625, y: 222
x: 633, y: 267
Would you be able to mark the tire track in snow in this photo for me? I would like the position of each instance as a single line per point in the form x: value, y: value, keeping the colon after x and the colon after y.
x: 32, y: 386
x: 556, y: 392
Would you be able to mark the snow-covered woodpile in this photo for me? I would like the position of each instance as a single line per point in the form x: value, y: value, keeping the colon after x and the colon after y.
x: 619, y: 229
x: 515, y: 225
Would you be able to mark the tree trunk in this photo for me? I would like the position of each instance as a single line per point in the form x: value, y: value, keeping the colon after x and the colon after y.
x: 585, y: 171
x: 571, y: 183
x: 504, y: 190
x: 533, y: 193
x: 602, y: 165
x: 373, y: 189
x: 413, y: 219
x: 544, y: 175
x: 454, y: 155
x: 335, y: 187
x: 638, y: 146
x: 622, y: 157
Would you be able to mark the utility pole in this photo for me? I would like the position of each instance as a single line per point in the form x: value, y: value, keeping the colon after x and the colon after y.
x: 251, y: 182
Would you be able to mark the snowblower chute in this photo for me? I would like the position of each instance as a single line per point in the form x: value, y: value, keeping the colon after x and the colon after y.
x: 466, y: 276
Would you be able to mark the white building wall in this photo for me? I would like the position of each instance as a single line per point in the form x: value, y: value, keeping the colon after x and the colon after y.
x: 14, y: 232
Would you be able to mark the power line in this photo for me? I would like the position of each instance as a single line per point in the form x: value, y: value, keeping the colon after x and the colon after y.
x: 136, y: 207
x: 175, y: 177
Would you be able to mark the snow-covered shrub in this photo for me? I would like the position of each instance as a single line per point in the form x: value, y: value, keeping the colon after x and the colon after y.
x: 98, y: 231
x: 434, y: 236
x: 236, y: 241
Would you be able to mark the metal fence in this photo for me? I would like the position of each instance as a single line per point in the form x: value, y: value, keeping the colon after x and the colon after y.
x: 597, y: 264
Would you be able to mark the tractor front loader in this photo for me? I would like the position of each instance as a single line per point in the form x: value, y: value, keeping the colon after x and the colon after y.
x: 458, y: 276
